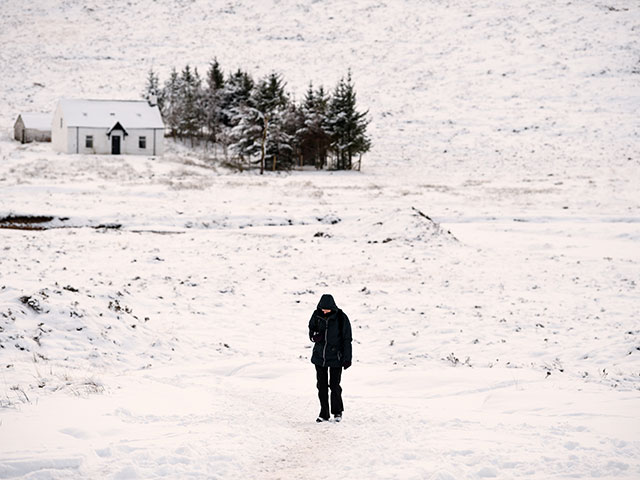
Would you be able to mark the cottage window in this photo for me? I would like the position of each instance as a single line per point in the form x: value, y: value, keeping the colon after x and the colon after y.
x: 88, y: 141
x: 142, y: 142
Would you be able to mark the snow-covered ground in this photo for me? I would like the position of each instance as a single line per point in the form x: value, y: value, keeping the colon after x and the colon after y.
x: 157, y: 327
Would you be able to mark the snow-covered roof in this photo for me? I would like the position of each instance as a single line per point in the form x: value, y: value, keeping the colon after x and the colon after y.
x: 36, y: 121
x: 105, y: 113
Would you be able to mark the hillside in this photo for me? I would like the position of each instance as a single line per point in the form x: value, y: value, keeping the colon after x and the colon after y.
x: 490, y: 82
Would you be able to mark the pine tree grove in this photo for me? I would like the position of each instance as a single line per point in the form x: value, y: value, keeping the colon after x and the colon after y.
x: 256, y: 123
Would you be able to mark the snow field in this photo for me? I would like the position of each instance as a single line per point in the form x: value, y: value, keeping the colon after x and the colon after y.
x: 506, y: 348
x: 206, y: 425
x: 509, y: 350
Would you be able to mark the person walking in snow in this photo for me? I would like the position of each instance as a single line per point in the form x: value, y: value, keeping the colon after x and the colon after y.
x: 330, y: 330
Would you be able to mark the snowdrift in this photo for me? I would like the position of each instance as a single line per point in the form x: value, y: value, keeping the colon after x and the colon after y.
x: 406, y: 225
x: 62, y: 337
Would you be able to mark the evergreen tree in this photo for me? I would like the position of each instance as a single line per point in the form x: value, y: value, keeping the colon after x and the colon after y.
x: 215, y: 77
x: 247, y: 133
x: 290, y: 152
x: 270, y: 94
x: 213, y: 98
x: 191, y: 114
x: 323, y: 138
x: 152, y: 89
x: 280, y: 142
x: 259, y: 133
x: 347, y: 127
x: 305, y: 132
x: 171, y: 104
x: 312, y: 138
x: 271, y: 101
x: 240, y: 123
x: 235, y: 95
x: 200, y: 102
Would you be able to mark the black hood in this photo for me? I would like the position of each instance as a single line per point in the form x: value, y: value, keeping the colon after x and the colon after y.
x: 327, y: 303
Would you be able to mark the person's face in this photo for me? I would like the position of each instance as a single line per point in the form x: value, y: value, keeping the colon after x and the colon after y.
x: 325, y: 311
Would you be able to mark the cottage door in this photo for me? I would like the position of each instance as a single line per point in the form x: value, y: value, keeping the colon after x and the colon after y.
x: 115, y: 145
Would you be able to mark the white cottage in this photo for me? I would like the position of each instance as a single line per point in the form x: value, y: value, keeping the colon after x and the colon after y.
x: 32, y: 127
x: 107, y: 126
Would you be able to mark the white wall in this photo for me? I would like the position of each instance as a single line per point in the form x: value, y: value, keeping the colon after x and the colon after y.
x: 131, y: 142
x: 59, y: 133
x: 101, y: 144
x: 129, y: 145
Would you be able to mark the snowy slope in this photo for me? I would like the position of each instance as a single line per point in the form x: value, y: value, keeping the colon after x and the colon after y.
x: 157, y: 327
x: 491, y: 82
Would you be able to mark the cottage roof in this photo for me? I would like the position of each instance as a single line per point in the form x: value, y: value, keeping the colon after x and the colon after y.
x: 36, y: 121
x: 105, y: 113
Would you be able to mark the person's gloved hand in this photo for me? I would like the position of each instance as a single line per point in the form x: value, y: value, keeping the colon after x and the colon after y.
x: 318, y: 337
x: 346, y: 365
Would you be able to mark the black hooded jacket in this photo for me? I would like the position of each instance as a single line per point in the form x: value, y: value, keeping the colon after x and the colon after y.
x: 334, y: 348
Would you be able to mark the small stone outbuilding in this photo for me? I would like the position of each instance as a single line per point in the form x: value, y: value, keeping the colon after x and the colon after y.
x: 33, y: 127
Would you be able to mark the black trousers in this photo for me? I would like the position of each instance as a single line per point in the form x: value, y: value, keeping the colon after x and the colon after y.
x: 324, y: 383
